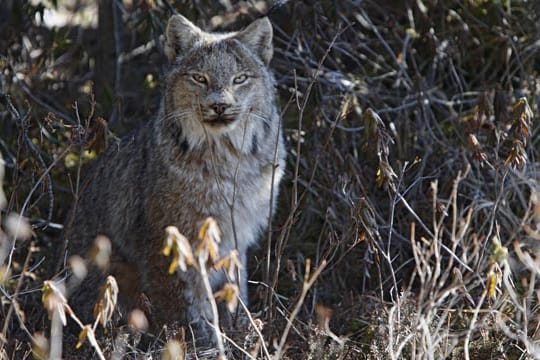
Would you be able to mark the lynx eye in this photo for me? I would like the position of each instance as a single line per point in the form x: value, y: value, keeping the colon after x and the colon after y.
x: 240, y: 79
x: 199, y: 78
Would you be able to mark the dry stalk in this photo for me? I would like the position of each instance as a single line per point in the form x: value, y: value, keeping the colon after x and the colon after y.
x: 215, y: 313
x: 307, y: 284
x: 472, y: 325
x: 252, y: 322
x: 13, y: 299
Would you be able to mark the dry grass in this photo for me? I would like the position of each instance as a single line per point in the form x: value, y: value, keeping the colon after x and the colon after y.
x: 413, y: 176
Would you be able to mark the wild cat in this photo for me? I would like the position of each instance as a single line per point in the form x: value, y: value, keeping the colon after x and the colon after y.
x: 215, y: 149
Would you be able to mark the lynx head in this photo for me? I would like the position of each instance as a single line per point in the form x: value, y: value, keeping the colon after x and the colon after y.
x: 219, y: 84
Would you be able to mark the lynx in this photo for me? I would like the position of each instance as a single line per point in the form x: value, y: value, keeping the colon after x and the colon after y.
x: 215, y: 149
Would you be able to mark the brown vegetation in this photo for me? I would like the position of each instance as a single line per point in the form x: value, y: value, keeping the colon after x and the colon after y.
x: 410, y: 213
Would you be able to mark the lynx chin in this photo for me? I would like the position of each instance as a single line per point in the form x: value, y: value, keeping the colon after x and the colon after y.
x: 214, y: 149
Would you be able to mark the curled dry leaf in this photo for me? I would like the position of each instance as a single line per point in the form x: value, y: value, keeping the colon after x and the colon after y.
x: 209, y: 238
x: 499, y: 253
x: 54, y: 300
x: 521, y: 117
x: 230, y: 264
x: 229, y: 294
x: 85, y: 331
x: 178, y: 245
x: 494, y: 280
x: 385, y: 174
x: 104, y: 308
x: 377, y: 131
x: 347, y: 106
x: 517, y: 157
x: 476, y: 148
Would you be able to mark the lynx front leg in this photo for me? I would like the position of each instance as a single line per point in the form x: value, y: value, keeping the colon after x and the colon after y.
x: 179, y: 299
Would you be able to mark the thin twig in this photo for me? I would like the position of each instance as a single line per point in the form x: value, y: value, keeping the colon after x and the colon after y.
x: 13, y: 298
x: 212, y: 301
x: 307, y: 284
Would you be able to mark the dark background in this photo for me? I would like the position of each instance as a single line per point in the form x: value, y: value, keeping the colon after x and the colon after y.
x: 385, y: 104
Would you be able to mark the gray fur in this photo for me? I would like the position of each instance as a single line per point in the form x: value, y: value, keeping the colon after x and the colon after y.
x: 189, y: 163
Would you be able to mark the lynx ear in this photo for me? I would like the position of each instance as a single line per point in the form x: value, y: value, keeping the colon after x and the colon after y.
x: 258, y: 37
x: 181, y: 36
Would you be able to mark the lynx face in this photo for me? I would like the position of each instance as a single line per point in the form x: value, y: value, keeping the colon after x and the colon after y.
x: 219, y: 83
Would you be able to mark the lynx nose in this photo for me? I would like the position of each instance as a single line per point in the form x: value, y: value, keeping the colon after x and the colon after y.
x: 220, y: 108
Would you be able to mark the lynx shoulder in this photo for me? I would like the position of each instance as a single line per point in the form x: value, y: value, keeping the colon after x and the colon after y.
x: 215, y: 149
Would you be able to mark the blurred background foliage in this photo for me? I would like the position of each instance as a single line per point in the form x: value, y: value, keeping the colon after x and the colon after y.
x: 385, y: 104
